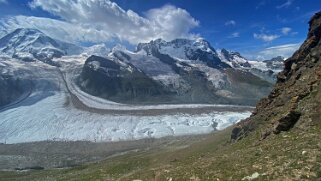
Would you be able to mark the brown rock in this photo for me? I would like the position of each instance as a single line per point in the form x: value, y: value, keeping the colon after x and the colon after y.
x: 294, y: 99
x: 286, y: 122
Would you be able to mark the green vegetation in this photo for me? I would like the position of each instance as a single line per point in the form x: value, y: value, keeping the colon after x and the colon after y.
x: 293, y: 155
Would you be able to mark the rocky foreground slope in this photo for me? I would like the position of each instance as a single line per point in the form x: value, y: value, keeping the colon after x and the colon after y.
x: 295, y: 100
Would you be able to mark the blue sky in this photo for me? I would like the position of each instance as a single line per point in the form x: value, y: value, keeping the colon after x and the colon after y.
x: 255, y: 28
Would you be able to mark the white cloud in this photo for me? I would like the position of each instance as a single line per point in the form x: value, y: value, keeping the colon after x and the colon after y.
x: 105, y: 20
x: 235, y: 35
x: 265, y: 37
x: 54, y: 28
x: 287, y: 4
x: 286, y: 30
x: 3, y: 1
x: 230, y: 23
x: 172, y: 22
x: 285, y: 50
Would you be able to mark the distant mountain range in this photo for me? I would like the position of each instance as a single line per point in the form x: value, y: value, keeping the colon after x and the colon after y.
x: 178, y: 71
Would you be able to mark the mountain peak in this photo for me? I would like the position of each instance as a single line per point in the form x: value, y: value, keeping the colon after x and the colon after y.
x: 31, y: 44
x: 234, y: 59
x: 228, y: 52
x: 179, y: 48
x: 27, y: 31
x: 119, y: 47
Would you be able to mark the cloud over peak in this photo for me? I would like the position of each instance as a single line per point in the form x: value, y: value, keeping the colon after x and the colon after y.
x: 285, y: 50
x: 103, y: 20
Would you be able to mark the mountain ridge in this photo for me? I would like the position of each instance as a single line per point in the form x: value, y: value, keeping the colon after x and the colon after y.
x: 294, y: 101
x: 192, y: 74
x: 189, y: 71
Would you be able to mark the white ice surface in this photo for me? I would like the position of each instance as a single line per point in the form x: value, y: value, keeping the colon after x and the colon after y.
x: 48, y: 119
x: 44, y: 115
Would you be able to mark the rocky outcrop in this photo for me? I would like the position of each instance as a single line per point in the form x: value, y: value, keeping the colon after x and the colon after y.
x: 295, y: 100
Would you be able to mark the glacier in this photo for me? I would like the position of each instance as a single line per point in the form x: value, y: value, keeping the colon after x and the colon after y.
x: 49, y: 114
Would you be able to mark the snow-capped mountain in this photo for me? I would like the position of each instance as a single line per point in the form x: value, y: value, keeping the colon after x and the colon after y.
x: 267, y: 69
x: 188, y: 71
x: 184, y: 49
x: 178, y: 71
x: 234, y: 59
x: 32, y: 44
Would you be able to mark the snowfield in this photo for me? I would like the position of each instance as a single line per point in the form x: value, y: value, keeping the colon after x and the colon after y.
x: 49, y: 114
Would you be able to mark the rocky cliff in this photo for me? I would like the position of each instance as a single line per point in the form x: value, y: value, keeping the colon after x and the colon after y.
x: 295, y: 101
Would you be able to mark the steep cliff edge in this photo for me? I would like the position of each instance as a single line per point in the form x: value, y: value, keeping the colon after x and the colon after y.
x: 295, y: 101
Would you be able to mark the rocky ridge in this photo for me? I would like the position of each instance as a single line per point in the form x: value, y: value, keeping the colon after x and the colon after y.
x: 295, y: 99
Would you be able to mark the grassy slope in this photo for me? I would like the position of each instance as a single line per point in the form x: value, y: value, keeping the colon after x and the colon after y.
x: 279, y: 157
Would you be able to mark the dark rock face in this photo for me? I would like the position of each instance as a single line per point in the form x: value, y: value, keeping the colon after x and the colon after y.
x: 236, y: 133
x: 286, y: 122
x: 11, y: 89
x: 105, y: 78
x: 295, y: 100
